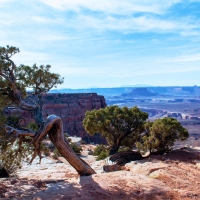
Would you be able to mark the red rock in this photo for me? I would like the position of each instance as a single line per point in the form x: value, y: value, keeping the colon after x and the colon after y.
x: 71, y: 108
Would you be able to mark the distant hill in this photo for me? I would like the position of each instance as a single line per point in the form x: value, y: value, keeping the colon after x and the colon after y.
x: 150, y: 91
x: 144, y: 92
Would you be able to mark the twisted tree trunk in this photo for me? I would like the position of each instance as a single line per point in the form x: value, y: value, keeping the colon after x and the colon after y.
x: 53, y: 126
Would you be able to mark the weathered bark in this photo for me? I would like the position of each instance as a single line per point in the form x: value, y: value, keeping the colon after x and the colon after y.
x: 125, y: 157
x: 113, y: 150
x: 54, y: 128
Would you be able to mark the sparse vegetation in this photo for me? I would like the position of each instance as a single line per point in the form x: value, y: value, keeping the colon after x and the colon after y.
x: 104, y: 154
x: 101, y: 152
x: 13, y: 83
x: 120, y: 126
x: 160, y: 135
x: 128, y: 127
x: 76, y: 148
x: 11, y: 157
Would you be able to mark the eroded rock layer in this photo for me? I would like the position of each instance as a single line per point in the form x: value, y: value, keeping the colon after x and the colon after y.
x: 70, y: 107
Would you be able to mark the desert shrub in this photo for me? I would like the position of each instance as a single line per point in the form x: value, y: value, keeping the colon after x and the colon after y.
x: 56, y: 153
x: 123, y: 148
x: 13, y: 120
x: 33, y: 126
x: 98, y: 149
x: 44, y: 149
x: 76, y: 148
x: 12, y: 154
x: 104, y: 154
x: 119, y: 126
x: 160, y: 135
x: 101, y: 152
x: 11, y: 160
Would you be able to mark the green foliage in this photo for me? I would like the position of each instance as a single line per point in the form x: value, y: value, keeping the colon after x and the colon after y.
x: 56, y: 153
x: 123, y: 148
x: 76, y: 148
x: 13, y: 83
x: 11, y: 157
x: 38, y: 77
x: 120, y: 126
x: 104, y: 154
x: 161, y: 135
x: 33, y: 126
x: 98, y: 149
x: 101, y: 152
x: 3, y: 134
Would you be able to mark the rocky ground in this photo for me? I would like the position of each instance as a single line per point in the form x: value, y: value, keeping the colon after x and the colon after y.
x: 172, y: 176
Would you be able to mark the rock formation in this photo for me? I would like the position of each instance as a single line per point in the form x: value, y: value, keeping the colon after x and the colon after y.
x: 139, y: 92
x: 172, y: 176
x: 71, y: 108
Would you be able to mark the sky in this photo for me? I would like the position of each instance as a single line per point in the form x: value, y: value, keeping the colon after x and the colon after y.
x: 107, y: 43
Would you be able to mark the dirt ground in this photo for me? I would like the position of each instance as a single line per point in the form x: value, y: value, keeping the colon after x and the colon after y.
x: 172, y: 176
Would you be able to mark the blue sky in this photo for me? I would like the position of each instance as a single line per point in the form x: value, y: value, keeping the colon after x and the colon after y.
x: 107, y: 43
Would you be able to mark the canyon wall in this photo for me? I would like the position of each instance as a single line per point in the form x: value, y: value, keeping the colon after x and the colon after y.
x: 71, y: 108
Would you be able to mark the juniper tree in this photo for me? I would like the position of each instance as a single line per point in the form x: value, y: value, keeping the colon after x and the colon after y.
x: 120, y: 126
x: 159, y: 136
x: 14, y: 81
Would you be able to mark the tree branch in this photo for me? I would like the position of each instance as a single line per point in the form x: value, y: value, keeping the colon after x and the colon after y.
x: 19, y: 132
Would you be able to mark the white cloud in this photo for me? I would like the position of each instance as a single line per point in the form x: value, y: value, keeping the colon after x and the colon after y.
x: 4, y: 2
x: 113, y: 6
x: 54, y: 37
x: 137, y: 24
x: 184, y: 58
x: 29, y: 58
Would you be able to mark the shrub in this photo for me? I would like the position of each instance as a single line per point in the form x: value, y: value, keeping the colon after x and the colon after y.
x: 101, y: 152
x: 12, y: 154
x: 44, y: 148
x: 104, y: 154
x: 123, y: 149
x: 33, y: 126
x: 76, y: 148
x: 161, y: 135
x: 98, y: 149
x: 56, y: 153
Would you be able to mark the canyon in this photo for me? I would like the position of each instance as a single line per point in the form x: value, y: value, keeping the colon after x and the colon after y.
x: 181, y: 103
x: 71, y: 108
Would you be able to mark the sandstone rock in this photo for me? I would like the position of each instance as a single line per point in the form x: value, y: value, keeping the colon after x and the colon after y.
x: 71, y: 108
x: 145, y: 168
x: 172, y: 176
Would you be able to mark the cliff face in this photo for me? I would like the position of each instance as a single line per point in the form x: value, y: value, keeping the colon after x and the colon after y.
x: 71, y: 108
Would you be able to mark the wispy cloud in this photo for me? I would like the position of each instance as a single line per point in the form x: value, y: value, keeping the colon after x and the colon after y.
x: 114, y: 6
x: 29, y: 58
x: 122, y: 16
x: 3, y: 2
x: 90, y: 41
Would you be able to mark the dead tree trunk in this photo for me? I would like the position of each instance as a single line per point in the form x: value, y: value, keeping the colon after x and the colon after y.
x: 53, y: 125
x: 54, y: 128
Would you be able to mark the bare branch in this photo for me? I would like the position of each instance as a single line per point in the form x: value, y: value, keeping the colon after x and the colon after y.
x: 19, y: 132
